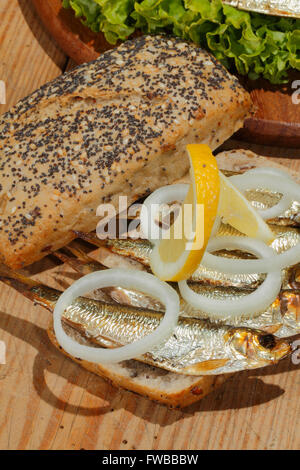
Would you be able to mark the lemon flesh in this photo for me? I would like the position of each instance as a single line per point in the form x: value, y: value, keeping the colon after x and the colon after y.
x: 237, y: 211
x: 178, y: 255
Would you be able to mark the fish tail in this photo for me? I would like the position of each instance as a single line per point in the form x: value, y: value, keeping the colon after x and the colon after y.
x: 80, y: 262
x: 89, y: 266
x: 90, y: 237
x: 78, y: 253
x: 11, y: 278
x: 62, y: 257
x: 29, y: 288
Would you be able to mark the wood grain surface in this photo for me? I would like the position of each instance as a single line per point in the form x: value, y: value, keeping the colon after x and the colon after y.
x: 276, y: 121
x: 49, y: 402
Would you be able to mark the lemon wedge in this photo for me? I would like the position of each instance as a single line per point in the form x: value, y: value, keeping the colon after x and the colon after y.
x: 179, y: 253
x: 237, y: 211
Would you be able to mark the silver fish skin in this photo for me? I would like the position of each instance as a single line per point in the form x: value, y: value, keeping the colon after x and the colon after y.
x: 140, y: 250
x: 284, y: 239
x: 268, y: 7
x: 282, y: 317
x: 84, y: 264
x: 264, y: 199
x: 196, y: 347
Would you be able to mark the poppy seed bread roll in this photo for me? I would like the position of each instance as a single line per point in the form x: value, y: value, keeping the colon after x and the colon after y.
x: 116, y: 126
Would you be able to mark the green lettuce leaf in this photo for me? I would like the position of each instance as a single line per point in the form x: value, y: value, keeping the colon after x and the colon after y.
x: 116, y: 19
x: 250, y: 43
x: 89, y: 10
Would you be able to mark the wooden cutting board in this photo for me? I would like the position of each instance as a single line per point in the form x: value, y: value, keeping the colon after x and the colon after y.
x: 49, y: 402
x: 277, y: 119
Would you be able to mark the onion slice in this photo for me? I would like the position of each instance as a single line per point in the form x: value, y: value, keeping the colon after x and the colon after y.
x: 129, y: 279
x: 267, y: 170
x: 270, y: 261
x: 248, y: 305
x: 163, y: 195
x: 273, y: 180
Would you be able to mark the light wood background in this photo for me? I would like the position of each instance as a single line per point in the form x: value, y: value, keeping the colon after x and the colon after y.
x: 49, y: 402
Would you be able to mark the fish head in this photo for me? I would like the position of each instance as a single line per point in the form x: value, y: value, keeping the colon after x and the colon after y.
x: 258, y: 345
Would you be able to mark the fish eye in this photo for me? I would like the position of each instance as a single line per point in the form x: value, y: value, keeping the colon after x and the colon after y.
x: 267, y: 341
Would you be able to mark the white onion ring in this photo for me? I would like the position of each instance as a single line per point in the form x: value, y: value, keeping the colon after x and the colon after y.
x: 216, y: 226
x: 130, y: 279
x: 274, y: 181
x: 278, y: 209
x: 270, y: 262
x: 163, y: 195
x: 249, y: 305
x: 266, y: 170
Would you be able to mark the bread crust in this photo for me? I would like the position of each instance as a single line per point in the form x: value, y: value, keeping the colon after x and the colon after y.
x: 241, y: 160
x: 116, y: 126
x: 191, y: 390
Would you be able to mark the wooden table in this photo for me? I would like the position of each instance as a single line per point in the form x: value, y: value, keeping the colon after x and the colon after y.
x: 49, y: 402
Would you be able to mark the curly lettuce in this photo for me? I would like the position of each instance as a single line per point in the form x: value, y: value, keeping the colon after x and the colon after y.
x: 251, y: 44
